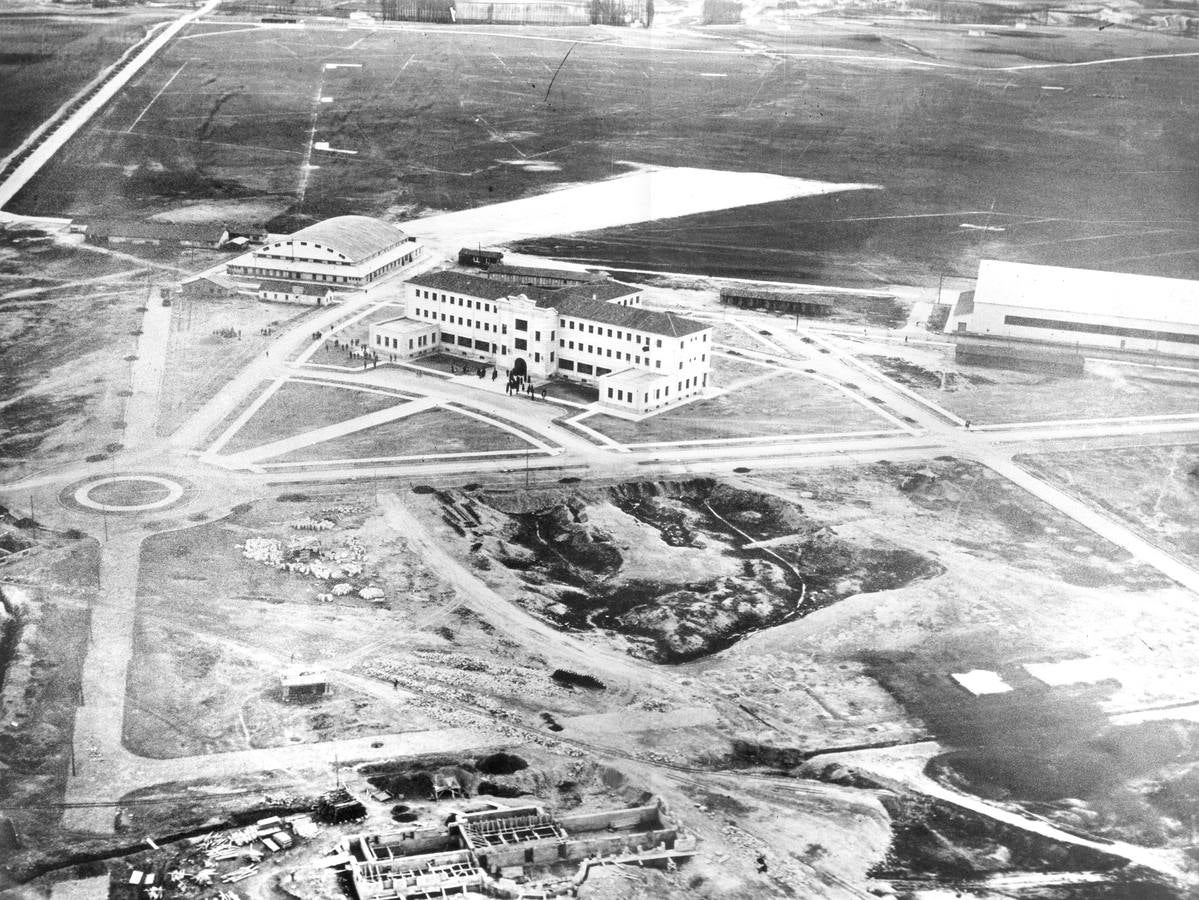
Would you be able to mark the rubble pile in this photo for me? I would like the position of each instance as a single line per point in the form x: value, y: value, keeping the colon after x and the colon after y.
x: 209, y: 865
x: 341, y: 564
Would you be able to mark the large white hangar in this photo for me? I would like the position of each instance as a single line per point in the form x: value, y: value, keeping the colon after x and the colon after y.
x: 1080, y: 308
x: 346, y: 251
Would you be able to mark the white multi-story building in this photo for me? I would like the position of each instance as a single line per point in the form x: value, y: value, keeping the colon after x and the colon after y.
x: 596, y: 333
x: 346, y: 252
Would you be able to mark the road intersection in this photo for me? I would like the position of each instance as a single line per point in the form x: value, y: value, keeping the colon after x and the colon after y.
x: 107, y: 770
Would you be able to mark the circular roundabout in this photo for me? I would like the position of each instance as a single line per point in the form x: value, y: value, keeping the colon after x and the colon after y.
x: 126, y: 494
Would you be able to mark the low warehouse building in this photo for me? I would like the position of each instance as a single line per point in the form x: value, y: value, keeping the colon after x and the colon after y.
x: 212, y: 286
x: 796, y: 303
x: 158, y: 234
x: 1019, y: 303
x: 346, y: 251
x: 541, y: 277
x: 295, y: 292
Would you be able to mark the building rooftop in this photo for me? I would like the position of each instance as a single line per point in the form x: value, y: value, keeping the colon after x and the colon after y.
x: 494, y: 289
x: 633, y: 318
x: 304, y: 677
x: 405, y: 324
x: 584, y: 301
x: 474, y: 285
x: 605, y: 291
x: 163, y: 231
x: 218, y: 278
x: 1115, y: 295
x: 811, y: 298
x: 635, y: 378
x: 355, y: 237
x: 542, y: 272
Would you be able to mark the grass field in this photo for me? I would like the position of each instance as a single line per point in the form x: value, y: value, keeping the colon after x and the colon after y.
x: 216, y: 629
x: 955, y: 129
x: 1153, y: 489
x: 787, y: 404
x: 302, y: 406
x: 45, y: 57
x: 425, y: 433
x: 200, y: 361
x: 729, y: 370
x: 68, y: 323
x: 994, y: 396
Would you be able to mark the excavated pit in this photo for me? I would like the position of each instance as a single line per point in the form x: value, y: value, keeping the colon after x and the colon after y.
x: 673, y: 567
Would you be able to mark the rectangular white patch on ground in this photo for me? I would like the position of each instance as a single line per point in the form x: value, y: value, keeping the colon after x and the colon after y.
x: 981, y: 681
x: 1071, y: 671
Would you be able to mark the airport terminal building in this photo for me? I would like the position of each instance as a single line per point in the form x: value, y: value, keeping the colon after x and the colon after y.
x: 596, y: 333
x: 1079, y: 309
x: 346, y: 252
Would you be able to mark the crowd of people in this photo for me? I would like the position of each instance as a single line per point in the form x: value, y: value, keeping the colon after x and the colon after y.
x: 517, y: 385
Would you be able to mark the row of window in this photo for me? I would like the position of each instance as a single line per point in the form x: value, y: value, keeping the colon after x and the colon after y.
x: 621, y: 335
x: 685, y: 385
x: 627, y: 357
x: 394, y: 343
x: 601, y: 351
x: 286, y: 274
x: 521, y: 324
x: 1147, y: 334
x: 582, y: 368
x: 486, y: 347
x: 451, y: 299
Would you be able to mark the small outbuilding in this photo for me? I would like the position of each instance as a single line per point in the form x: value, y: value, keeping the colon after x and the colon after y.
x: 303, y: 684
x: 469, y: 256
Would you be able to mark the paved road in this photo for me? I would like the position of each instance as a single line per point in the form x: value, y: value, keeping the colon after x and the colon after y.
x: 141, y: 409
x: 100, y: 756
x: 107, y: 770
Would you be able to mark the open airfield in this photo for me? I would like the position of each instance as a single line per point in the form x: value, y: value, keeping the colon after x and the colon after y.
x: 868, y: 622
x: 996, y: 142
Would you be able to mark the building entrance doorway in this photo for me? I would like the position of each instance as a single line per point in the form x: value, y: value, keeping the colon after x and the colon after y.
x: 519, y: 368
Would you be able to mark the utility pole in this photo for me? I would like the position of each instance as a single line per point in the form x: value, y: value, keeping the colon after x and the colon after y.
x: 526, y: 470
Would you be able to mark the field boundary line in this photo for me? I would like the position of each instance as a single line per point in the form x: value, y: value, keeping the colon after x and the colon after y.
x: 432, y: 457
x: 325, y: 433
x: 247, y: 413
x: 511, y: 429
x: 1110, y: 420
x: 768, y: 439
x: 154, y: 99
